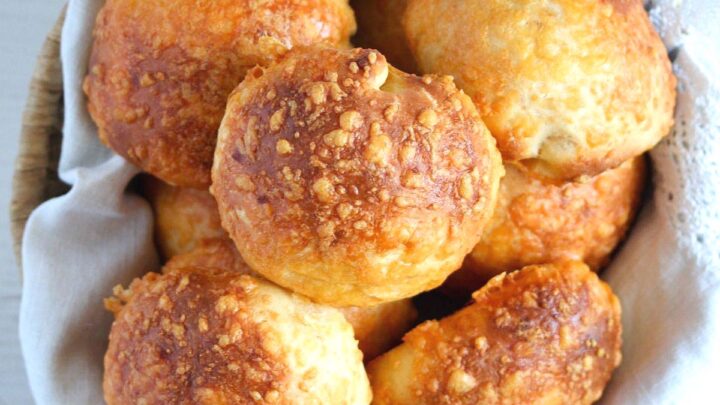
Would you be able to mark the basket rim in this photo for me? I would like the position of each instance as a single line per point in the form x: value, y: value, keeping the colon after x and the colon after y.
x: 35, y: 178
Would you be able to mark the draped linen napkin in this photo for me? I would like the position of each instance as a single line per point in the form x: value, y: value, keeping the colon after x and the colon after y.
x: 667, y: 275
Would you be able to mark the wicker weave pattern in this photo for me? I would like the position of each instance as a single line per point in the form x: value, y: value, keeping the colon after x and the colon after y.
x: 36, y: 178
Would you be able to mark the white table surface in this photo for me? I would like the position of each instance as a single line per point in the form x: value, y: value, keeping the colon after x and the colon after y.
x: 23, y: 27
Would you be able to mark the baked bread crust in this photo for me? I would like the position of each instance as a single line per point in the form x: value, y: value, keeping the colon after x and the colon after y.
x: 536, y: 222
x: 184, y: 217
x: 567, y: 87
x: 546, y: 334
x: 346, y: 180
x: 160, y: 71
x: 211, y: 336
x: 377, y: 328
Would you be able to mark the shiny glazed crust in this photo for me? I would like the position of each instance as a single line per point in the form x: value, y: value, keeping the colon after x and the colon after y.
x: 567, y: 87
x: 541, y: 335
x: 535, y: 222
x: 160, y: 71
x: 380, y: 27
x: 184, y: 217
x: 209, y: 336
x: 348, y: 181
x: 377, y: 328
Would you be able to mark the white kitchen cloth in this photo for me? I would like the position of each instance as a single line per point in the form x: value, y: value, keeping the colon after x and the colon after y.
x: 77, y: 246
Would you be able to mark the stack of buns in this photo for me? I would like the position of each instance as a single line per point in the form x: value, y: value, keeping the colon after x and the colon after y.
x: 306, y: 193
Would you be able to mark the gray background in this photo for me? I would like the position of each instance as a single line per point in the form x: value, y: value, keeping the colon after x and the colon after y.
x: 23, y: 27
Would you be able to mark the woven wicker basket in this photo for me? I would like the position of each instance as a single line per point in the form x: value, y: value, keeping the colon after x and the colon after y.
x: 36, y: 178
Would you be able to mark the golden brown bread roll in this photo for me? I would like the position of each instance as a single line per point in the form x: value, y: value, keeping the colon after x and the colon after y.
x: 535, y: 222
x: 568, y: 88
x: 160, y: 71
x: 348, y: 181
x: 217, y: 253
x: 380, y: 327
x: 541, y: 335
x: 377, y: 328
x: 380, y: 26
x: 209, y: 336
x: 184, y: 217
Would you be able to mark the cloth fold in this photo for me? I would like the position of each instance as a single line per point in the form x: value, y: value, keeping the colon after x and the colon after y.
x: 667, y: 275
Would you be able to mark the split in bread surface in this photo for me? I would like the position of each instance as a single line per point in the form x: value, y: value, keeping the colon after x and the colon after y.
x: 567, y: 87
x: 545, y: 334
x: 160, y: 71
x: 346, y: 180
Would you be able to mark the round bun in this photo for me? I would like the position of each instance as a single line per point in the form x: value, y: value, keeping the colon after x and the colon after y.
x: 536, y: 222
x: 160, y: 71
x: 209, y: 336
x: 380, y: 27
x: 351, y: 182
x: 183, y: 217
x: 380, y: 327
x: 219, y: 253
x: 541, y: 335
x: 377, y: 328
x: 568, y: 87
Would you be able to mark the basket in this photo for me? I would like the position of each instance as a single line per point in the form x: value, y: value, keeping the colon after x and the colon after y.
x: 35, y: 178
